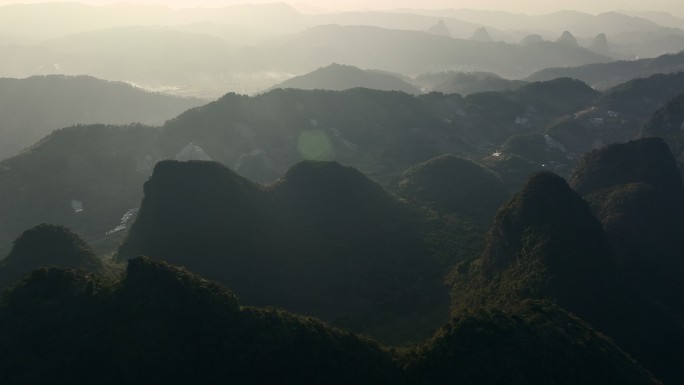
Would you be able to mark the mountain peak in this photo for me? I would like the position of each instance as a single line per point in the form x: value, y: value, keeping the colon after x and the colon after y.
x: 43, y: 246
x: 567, y: 38
x: 481, y: 35
x: 647, y: 160
x: 157, y: 280
x: 439, y: 29
x: 192, y: 200
x: 531, y: 39
x: 546, y: 204
x: 544, y: 244
x: 600, y: 45
x: 339, y: 77
x: 455, y: 185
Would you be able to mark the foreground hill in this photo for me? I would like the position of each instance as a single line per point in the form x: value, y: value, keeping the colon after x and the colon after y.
x: 570, y: 351
x: 156, y: 309
x: 43, y: 246
x: 339, y: 77
x: 323, y: 241
x: 65, y: 327
x: 32, y: 108
x: 636, y: 190
x: 666, y: 123
x: 540, y: 242
x: 546, y: 244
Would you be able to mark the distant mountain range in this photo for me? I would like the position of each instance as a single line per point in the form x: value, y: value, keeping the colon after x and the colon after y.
x: 606, y: 75
x: 412, y: 52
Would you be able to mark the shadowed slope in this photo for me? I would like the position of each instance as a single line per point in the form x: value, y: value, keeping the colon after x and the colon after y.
x: 43, y: 246
x: 532, y: 343
x: 163, y: 324
x: 324, y: 240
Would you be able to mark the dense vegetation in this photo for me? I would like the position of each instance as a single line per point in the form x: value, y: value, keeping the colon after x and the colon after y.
x: 46, y: 245
x: 546, y: 244
x: 324, y: 241
x: 160, y: 323
x: 529, y: 343
x: 380, y: 133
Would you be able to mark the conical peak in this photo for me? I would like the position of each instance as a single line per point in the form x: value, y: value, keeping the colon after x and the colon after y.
x: 440, y: 29
x: 481, y: 35
x: 52, y: 245
x: 646, y: 160
x: 567, y: 38
x: 600, y: 44
x: 546, y: 220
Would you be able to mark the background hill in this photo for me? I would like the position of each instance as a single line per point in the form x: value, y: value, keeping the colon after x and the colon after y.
x: 412, y: 52
x: 619, y: 115
x: 339, y: 77
x: 666, y: 123
x: 380, y: 133
x: 453, y: 185
x: 33, y: 107
x: 84, y: 177
x: 546, y: 244
x: 465, y: 83
x: 636, y: 190
x: 606, y: 75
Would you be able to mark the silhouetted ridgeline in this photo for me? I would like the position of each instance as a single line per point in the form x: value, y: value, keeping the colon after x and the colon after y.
x: 43, y: 246
x: 530, y: 343
x: 324, y: 240
x: 160, y: 323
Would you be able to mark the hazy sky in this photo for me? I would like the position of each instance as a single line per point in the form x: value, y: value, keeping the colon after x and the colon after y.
x: 525, y: 6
